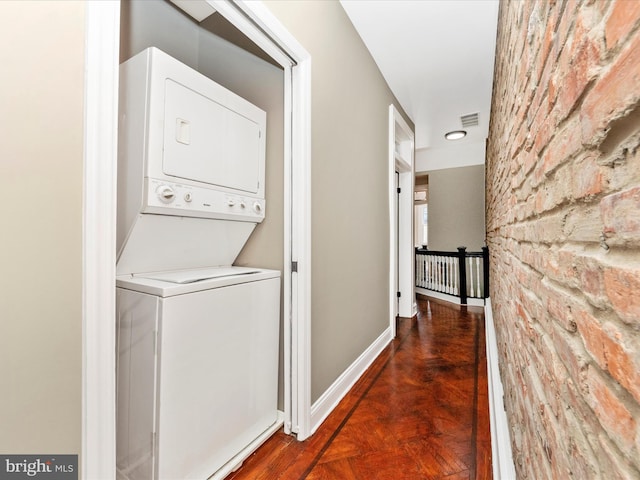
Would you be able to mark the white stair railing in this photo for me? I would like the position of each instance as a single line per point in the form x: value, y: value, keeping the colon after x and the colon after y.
x: 463, y: 274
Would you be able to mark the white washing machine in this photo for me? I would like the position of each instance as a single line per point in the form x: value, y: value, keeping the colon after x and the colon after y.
x: 198, y: 338
x: 197, y: 370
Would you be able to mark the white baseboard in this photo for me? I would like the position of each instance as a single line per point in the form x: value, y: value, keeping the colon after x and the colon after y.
x: 475, y: 302
x: 321, y: 409
x: 501, y: 453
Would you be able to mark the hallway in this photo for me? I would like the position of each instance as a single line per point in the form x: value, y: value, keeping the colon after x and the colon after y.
x: 419, y: 412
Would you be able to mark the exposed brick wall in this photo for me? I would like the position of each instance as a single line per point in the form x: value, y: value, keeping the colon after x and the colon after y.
x: 563, y: 228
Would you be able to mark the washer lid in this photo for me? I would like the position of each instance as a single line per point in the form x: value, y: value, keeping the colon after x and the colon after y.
x: 164, y: 284
x: 191, y: 276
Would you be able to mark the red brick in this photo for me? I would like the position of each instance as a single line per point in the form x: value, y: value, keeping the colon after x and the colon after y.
x: 613, y: 94
x: 525, y: 321
x: 566, y: 266
x: 560, y: 305
x: 622, y: 287
x: 568, y: 322
x: 612, y: 462
x: 584, y: 60
x: 625, y: 14
x: 606, y: 343
x: 582, y: 462
x: 590, y: 330
x: 567, y: 348
x: 622, y: 360
x: 567, y: 94
x: 540, y: 197
x: 591, y: 274
x: 544, y: 127
x: 587, y: 179
x: 529, y: 162
x: 568, y: 15
x: 560, y: 266
x: 565, y: 145
x: 546, y: 42
x: 621, y: 216
x: 611, y: 411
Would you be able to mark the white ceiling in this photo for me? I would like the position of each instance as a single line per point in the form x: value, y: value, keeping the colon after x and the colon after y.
x: 437, y: 57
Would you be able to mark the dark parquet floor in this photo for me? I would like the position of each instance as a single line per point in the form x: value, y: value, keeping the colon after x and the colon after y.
x: 419, y: 412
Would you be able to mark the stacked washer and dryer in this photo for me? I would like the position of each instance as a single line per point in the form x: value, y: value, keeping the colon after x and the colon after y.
x: 197, y: 369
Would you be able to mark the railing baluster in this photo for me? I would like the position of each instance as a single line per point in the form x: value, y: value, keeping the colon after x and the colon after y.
x: 454, y: 273
x: 477, y: 259
x: 445, y: 274
x: 434, y: 272
x: 447, y: 262
x: 472, y: 292
x: 485, y: 270
x: 463, y: 274
x: 433, y: 267
x: 454, y: 276
x: 451, y: 274
x: 427, y: 273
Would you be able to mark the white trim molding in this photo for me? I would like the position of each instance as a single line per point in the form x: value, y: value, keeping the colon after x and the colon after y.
x: 100, y: 155
x: 297, y: 220
x: 401, y: 257
x: 336, y: 392
x: 102, y: 23
x: 501, y: 453
x: 472, y: 302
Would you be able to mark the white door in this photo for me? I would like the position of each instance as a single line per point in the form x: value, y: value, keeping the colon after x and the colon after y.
x: 396, y: 244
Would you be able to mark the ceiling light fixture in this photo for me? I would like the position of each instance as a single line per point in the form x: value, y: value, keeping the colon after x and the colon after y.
x: 455, y: 135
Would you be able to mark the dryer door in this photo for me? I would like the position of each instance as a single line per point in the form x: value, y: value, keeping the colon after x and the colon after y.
x: 206, y: 142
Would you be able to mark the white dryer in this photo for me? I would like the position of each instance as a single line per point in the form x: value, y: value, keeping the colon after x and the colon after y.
x: 197, y: 370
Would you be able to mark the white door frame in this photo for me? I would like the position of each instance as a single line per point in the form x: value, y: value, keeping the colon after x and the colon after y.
x: 401, y: 266
x: 102, y: 41
x: 261, y: 26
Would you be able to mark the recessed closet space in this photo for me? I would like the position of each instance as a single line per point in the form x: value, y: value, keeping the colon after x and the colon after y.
x: 200, y: 244
x: 221, y: 52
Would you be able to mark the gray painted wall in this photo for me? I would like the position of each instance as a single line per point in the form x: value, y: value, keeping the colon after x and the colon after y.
x: 145, y: 23
x: 456, y: 208
x: 41, y: 166
x: 350, y: 217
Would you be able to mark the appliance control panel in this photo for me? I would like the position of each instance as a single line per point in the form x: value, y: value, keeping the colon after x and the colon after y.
x: 169, y: 198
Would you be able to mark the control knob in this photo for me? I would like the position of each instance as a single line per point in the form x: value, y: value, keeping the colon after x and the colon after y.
x: 166, y: 193
x: 257, y: 207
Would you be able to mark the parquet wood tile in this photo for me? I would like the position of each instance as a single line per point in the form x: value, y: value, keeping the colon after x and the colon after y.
x: 420, y: 412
